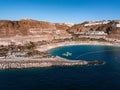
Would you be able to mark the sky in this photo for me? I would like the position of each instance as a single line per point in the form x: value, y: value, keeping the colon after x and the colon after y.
x: 62, y: 11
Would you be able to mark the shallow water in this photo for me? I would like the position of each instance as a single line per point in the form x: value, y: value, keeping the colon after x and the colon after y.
x: 98, y: 77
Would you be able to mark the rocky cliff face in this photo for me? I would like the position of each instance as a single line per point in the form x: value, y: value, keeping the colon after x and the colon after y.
x: 27, y: 27
x: 61, y: 26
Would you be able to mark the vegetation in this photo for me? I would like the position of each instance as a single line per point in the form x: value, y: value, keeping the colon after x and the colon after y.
x: 30, y: 46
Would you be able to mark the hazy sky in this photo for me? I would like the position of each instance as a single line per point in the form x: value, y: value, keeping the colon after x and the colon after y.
x: 71, y: 11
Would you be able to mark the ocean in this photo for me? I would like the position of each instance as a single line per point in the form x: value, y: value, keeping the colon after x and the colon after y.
x: 91, y: 77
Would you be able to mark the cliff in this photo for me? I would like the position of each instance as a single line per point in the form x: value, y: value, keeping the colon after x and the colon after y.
x: 27, y: 27
x: 61, y: 26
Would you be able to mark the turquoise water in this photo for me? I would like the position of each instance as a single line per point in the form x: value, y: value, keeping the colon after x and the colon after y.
x: 87, y: 52
x: 98, y: 77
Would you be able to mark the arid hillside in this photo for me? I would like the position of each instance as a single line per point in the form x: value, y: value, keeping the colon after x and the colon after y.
x: 61, y: 26
x: 27, y: 30
x: 28, y: 27
x: 109, y: 27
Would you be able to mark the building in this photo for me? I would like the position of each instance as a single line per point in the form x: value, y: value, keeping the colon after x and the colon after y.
x: 117, y: 25
x: 92, y: 33
x: 96, y: 23
x: 101, y: 33
x: 69, y: 24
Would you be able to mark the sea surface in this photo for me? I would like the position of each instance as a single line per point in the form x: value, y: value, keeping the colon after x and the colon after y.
x: 93, y: 77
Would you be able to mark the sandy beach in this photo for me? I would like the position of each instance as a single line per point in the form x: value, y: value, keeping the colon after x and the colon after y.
x: 47, y: 47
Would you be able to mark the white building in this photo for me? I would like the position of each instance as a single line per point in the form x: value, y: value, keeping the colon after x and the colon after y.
x: 96, y: 33
x: 117, y: 25
x: 69, y: 24
x: 97, y: 23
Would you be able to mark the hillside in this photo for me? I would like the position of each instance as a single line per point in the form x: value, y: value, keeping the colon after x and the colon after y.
x: 109, y: 27
x: 26, y: 27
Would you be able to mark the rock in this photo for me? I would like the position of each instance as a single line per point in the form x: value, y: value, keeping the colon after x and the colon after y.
x: 95, y: 62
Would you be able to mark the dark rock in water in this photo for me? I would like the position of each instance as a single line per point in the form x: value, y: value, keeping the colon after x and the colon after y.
x: 95, y: 62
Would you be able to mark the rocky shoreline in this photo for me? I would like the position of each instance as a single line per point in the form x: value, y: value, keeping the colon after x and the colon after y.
x: 42, y: 63
x: 48, y: 61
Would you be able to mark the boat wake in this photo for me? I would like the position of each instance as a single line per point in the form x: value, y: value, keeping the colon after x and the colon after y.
x: 84, y: 54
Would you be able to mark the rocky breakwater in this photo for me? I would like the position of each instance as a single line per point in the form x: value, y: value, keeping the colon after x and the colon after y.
x: 96, y: 62
x: 42, y: 62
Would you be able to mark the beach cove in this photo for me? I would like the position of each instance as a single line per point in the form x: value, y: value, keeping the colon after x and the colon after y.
x: 17, y: 63
x: 85, y: 77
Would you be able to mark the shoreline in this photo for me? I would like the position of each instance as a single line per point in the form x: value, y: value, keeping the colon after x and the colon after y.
x: 20, y: 63
x: 45, y: 48
x: 43, y: 63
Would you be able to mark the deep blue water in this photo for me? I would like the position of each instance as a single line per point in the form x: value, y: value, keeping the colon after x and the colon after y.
x: 99, y: 77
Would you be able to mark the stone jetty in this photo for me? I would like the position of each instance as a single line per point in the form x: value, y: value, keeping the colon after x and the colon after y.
x: 41, y: 63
